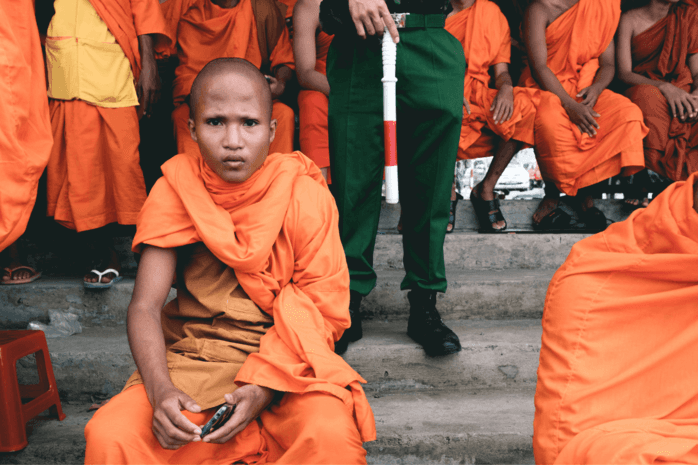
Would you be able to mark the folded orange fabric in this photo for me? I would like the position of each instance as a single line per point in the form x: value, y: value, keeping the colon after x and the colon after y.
x: 484, y: 33
x: 307, y: 428
x: 25, y: 127
x: 620, y: 339
x: 660, y: 53
x: 570, y: 159
x: 278, y: 231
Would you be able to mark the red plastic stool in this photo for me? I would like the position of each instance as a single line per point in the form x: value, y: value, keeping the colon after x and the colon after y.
x: 14, y: 345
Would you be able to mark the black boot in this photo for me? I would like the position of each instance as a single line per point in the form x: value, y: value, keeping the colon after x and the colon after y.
x: 426, y: 327
x: 355, y: 332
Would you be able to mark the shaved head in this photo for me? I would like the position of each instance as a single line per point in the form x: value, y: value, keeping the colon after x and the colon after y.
x: 227, y: 66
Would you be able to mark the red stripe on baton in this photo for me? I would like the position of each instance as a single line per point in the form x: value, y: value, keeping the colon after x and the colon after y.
x: 390, y: 138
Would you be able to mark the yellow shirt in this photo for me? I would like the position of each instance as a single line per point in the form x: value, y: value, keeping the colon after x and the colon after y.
x: 83, y: 59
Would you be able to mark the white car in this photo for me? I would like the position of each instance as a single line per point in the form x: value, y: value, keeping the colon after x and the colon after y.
x: 514, y: 178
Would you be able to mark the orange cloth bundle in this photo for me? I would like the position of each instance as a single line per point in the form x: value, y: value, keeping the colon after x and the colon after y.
x: 616, y: 379
x: 278, y: 231
x: 570, y: 159
x: 660, y: 53
x: 484, y: 33
x: 25, y: 127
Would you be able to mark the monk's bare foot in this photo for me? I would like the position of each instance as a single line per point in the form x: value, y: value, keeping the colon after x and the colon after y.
x: 638, y: 203
x: 547, y: 205
x: 111, y: 262
x: 17, y: 268
x: 487, y: 194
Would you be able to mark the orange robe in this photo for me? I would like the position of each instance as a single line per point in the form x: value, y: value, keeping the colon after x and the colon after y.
x: 288, y: 258
x: 312, y: 111
x: 203, y: 31
x: 660, y: 53
x: 25, y: 127
x: 567, y: 157
x: 94, y: 176
x: 484, y: 33
x: 617, y: 379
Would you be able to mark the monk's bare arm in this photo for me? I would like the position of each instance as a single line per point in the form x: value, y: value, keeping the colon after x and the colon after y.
x: 693, y: 66
x: 604, y: 76
x: 306, y: 15
x: 148, y: 85
x: 624, y: 59
x: 503, y: 103
x: 277, y: 83
x: 153, y: 281
x: 536, y: 21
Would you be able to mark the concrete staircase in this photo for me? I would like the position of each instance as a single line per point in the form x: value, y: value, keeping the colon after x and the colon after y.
x: 472, y: 407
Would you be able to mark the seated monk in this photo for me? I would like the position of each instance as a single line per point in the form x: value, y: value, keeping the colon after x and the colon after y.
x: 617, y: 379
x: 584, y: 132
x: 310, y: 47
x: 262, y: 297
x: 495, y: 121
x: 657, y: 54
x: 207, y: 29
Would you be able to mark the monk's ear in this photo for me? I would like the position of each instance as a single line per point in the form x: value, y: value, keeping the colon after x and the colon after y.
x: 192, y: 129
x: 272, y: 130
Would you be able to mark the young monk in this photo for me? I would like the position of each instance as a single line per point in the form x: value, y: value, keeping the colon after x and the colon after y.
x: 657, y: 54
x: 207, y: 29
x: 617, y: 379
x: 262, y: 296
x: 310, y: 47
x: 494, y: 120
x: 101, y: 67
x: 584, y: 132
x: 25, y: 131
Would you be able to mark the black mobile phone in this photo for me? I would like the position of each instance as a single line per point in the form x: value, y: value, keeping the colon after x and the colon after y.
x: 217, y: 420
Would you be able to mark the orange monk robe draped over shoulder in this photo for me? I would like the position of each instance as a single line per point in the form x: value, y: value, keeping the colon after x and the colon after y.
x: 94, y: 176
x: 203, y: 31
x: 25, y: 127
x: 484, y: 33
x: 278, y: 231
x: 570, y: 159
x: 660, y: 53
x: 312, y: 112
x: 617, y: 379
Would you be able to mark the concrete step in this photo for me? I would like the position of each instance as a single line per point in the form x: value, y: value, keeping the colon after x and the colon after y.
x: 54, y: 249
x: 456, y: 427
x: 489, y: 294
x: 496, y: 355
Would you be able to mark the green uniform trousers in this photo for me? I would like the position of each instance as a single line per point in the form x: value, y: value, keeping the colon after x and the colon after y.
x: 430, y: 70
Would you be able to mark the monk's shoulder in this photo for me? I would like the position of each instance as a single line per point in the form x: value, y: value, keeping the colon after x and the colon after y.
x: 310, y: 199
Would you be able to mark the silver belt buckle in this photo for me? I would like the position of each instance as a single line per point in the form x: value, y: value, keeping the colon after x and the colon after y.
x: 400, y: 19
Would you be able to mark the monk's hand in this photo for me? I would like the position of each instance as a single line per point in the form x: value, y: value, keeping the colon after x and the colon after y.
x: 171, y: 428
x: 249, y: 401
x: 147, y: 87
x: 590, y: 95
x: 681, y: 104
x: 583, y: 116
x: 277, y: 86
x: 503, y: 104
x: 466, y: 105
x: 372, y: 17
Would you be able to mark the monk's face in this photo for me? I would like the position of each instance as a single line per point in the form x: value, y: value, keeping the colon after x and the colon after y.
x: 232, y: 125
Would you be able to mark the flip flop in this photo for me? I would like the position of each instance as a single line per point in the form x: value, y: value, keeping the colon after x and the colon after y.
x: 556, y: 220
x: 485, y: 218
x: 35, y: 275
x: 99, y: 284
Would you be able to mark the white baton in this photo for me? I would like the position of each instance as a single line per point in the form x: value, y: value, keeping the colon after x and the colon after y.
x: 389, y: 116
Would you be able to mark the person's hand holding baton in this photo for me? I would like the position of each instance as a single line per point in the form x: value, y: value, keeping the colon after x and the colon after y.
x: 372, y: 17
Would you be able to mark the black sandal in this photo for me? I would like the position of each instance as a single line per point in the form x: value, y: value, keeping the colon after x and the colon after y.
x: 556, y: 220
x: 482, y: 211
x: 593, y: 219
